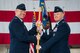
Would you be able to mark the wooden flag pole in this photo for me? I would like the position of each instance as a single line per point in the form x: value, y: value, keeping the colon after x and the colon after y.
x: 38, y: 25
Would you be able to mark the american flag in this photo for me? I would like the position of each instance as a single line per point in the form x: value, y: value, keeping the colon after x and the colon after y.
x: 71, y: 8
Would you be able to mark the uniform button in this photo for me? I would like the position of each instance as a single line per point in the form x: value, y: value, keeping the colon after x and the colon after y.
x: 53, y: 35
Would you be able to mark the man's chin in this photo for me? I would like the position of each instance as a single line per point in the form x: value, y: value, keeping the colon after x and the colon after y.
x: 22, y: 17
x: 56, y: 20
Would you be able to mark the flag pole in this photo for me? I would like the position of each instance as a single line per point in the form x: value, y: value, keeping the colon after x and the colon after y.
x: 49, y: 14
x: 38, y: 25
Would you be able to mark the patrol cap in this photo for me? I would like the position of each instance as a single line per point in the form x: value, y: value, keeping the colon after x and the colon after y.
x: 57, y: 9
x: 21, y: 7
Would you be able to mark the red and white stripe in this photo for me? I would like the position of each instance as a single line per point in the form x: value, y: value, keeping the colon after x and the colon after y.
x: 71, y: 8
x: 31, y: 49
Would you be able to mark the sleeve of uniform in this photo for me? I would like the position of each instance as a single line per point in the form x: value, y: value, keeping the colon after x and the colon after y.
x: 62, y: 32
x: 21, y: 35
x: 33, y: 31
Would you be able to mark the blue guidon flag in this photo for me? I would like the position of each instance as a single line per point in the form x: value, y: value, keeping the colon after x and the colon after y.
x: 45, y: 16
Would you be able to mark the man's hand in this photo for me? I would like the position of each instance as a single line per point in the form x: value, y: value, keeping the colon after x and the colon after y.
x: 38, y: 47
x: 38, y: 23
x: 39, y: 26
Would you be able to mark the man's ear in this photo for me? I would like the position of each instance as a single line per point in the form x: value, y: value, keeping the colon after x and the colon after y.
x: 15, y: 11
x: 63, y: 13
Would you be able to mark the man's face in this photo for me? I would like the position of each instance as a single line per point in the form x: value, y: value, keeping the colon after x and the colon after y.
x: 58, y: 16
x: 20, y: 13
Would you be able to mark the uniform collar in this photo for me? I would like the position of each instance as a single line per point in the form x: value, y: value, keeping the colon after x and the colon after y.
x: 59, y: 21
x: 19, y: 19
